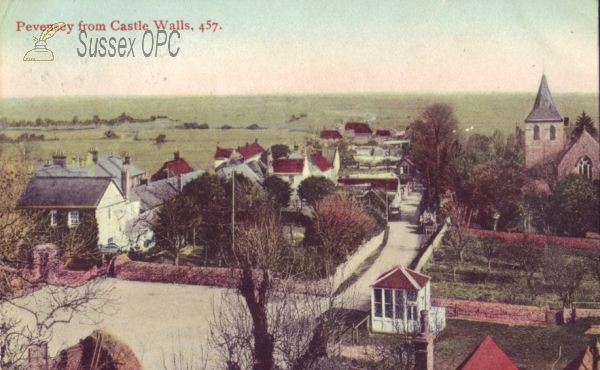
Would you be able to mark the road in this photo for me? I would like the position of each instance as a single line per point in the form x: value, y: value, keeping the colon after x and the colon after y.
x: 401, y: 249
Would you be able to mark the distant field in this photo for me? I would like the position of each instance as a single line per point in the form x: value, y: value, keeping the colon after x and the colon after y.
x: 196, y: 146
x: 486, y: 112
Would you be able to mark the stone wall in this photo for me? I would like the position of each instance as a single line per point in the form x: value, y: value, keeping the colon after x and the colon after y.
x: 426, y: 250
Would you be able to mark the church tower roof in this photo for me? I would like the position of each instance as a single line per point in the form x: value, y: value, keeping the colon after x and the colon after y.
x: 544, y: 109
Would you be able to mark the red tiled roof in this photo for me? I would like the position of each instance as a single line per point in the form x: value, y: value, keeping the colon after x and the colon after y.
x: 400, y: 278
x: 175, y: 167
x: 585, y: 361
x: 288, y: 165
x: 321, y: 162
x: 487, y: 356
x: 223, y: 153
x: 330, y: 134
x: 383, y: 133
x: 358, y: 127
x: 250, y: 150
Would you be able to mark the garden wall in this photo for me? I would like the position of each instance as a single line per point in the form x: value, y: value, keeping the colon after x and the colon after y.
x: 537, y: 239
x: 495, y: 312
x: 427, y: 249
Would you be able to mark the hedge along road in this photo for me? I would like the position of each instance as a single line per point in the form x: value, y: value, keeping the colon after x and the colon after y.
x: 401, y: 248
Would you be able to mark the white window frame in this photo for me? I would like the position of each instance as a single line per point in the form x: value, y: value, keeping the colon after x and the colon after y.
x: 53, y: 217
x: 74, y: 218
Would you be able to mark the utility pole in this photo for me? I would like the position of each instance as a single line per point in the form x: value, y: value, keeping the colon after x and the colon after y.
x: 233, y: 213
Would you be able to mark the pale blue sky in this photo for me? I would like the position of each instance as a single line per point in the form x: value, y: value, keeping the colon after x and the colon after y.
x: 268, y: 47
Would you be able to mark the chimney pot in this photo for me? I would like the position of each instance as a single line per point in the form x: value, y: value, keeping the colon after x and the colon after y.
x: 176, y: 155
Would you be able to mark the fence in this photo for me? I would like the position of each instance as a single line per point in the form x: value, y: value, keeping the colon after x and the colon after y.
x: 427, y: 249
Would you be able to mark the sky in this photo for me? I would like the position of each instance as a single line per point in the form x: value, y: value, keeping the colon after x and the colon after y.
x: 306, y: 47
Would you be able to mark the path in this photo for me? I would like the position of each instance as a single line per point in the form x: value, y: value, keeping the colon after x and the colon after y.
x: 402, y: 246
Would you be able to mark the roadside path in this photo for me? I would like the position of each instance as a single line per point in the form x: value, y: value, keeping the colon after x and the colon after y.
x: 402, y: 246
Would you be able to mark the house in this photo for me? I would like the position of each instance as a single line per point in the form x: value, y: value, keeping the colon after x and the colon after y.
x: 330, y: 135
x: 487, y: 356
x: 92, y: 165
x: 75, y: 201
x: 177, y: 166
x: 357, y: 130
x: 254, y: 171
x: 397, y: 298
x: 588, y: 359
x: 246, y: 153
x: 546, y: 142
x: 383, y: 133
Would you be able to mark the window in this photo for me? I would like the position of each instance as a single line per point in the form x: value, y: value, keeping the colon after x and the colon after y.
x: 110, y: 213
x: 536, y: 132
x: 389, y: 307
x: 378, y: 303
x: 73, y: 218
x: 411, y: 295
x: 552, y: 133
x: 412, y: 313
x: 53, y: 217
x: 399, y: 304
x: 584, y: 167
x: 110, y: 240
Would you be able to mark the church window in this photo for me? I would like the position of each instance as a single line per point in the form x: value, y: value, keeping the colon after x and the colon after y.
x: 536, y: 132
x: 584, y: 167
x: 552, y: 133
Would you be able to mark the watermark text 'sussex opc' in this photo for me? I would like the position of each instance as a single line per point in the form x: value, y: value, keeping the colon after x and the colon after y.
x: 124, y: 47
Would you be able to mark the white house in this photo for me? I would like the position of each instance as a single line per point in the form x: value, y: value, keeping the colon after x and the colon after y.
x: 69, y: 200
x: 397, y: 298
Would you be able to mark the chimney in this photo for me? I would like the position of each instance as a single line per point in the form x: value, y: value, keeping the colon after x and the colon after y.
x: 566, y: 121
x: 127, y: 158
x: 38, y: 356
x: 125, y: 180
x: 179, y: 183
x: 246, y: 143
x: 59, y: 159
x: 269, y: 162
x: 423, y: 345
x: 295, y: 147
x: 93, y: 155
x: 256, y: 140
x: 176, y: 155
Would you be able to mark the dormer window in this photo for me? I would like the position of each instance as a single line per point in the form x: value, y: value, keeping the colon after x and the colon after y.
x: 53, y: 217
x: 552, y: 133
x: 73, y: 218
x: 536, y: 132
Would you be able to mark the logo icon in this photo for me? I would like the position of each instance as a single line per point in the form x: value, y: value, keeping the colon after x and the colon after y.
x: 40, y: 53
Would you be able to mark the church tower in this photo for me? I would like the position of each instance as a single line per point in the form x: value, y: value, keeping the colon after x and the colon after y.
x: 544, y: 129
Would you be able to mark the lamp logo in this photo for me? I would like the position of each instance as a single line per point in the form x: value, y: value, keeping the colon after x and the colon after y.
x: 40, y: 53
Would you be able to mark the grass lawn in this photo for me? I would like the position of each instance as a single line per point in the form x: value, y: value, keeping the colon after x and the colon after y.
x: 534, y: 347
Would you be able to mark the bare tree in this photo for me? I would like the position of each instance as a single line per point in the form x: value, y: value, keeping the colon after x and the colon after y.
x: 563, y: 275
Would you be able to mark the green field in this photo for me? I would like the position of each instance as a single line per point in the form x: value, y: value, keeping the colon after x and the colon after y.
x: 485, y: 112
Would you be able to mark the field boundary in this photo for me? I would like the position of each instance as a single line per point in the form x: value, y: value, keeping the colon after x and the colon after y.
x: 538, y: 240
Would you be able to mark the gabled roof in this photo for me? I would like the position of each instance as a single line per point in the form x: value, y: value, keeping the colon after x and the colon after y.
x: 106, y: 166
x: 156, y: 193
x: 584, y: 361
x: 64, y: 192
x: 222, y: 153
x: 358, y: 127
x: 383, y: 133
x: 288, y: 165
x: 330, y: 134
x: 172, y: 168
x: 399, y: 277
x: 487, y: 356
x: 544, y: 109
x: 321, y: 162
x: 250, y: 150
x: 241, y: 169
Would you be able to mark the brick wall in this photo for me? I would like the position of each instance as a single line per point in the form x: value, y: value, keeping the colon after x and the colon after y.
x: 494, y: 312
x: 537, y: 239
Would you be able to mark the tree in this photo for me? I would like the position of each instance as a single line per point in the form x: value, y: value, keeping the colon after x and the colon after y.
x: 584, y: 122
x: 315, y: 188
x: 172, y: 228
x: 433, y: 147
x: 266, y: 325
x: 161, y: 139
x: 340, y: 225
x: 278, y: 190
x: 574, y: 206
x: 563, y: 275
x: 280, y: 150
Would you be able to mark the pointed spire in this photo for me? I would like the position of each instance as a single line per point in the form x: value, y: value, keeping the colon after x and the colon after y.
x: 544, y: 109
